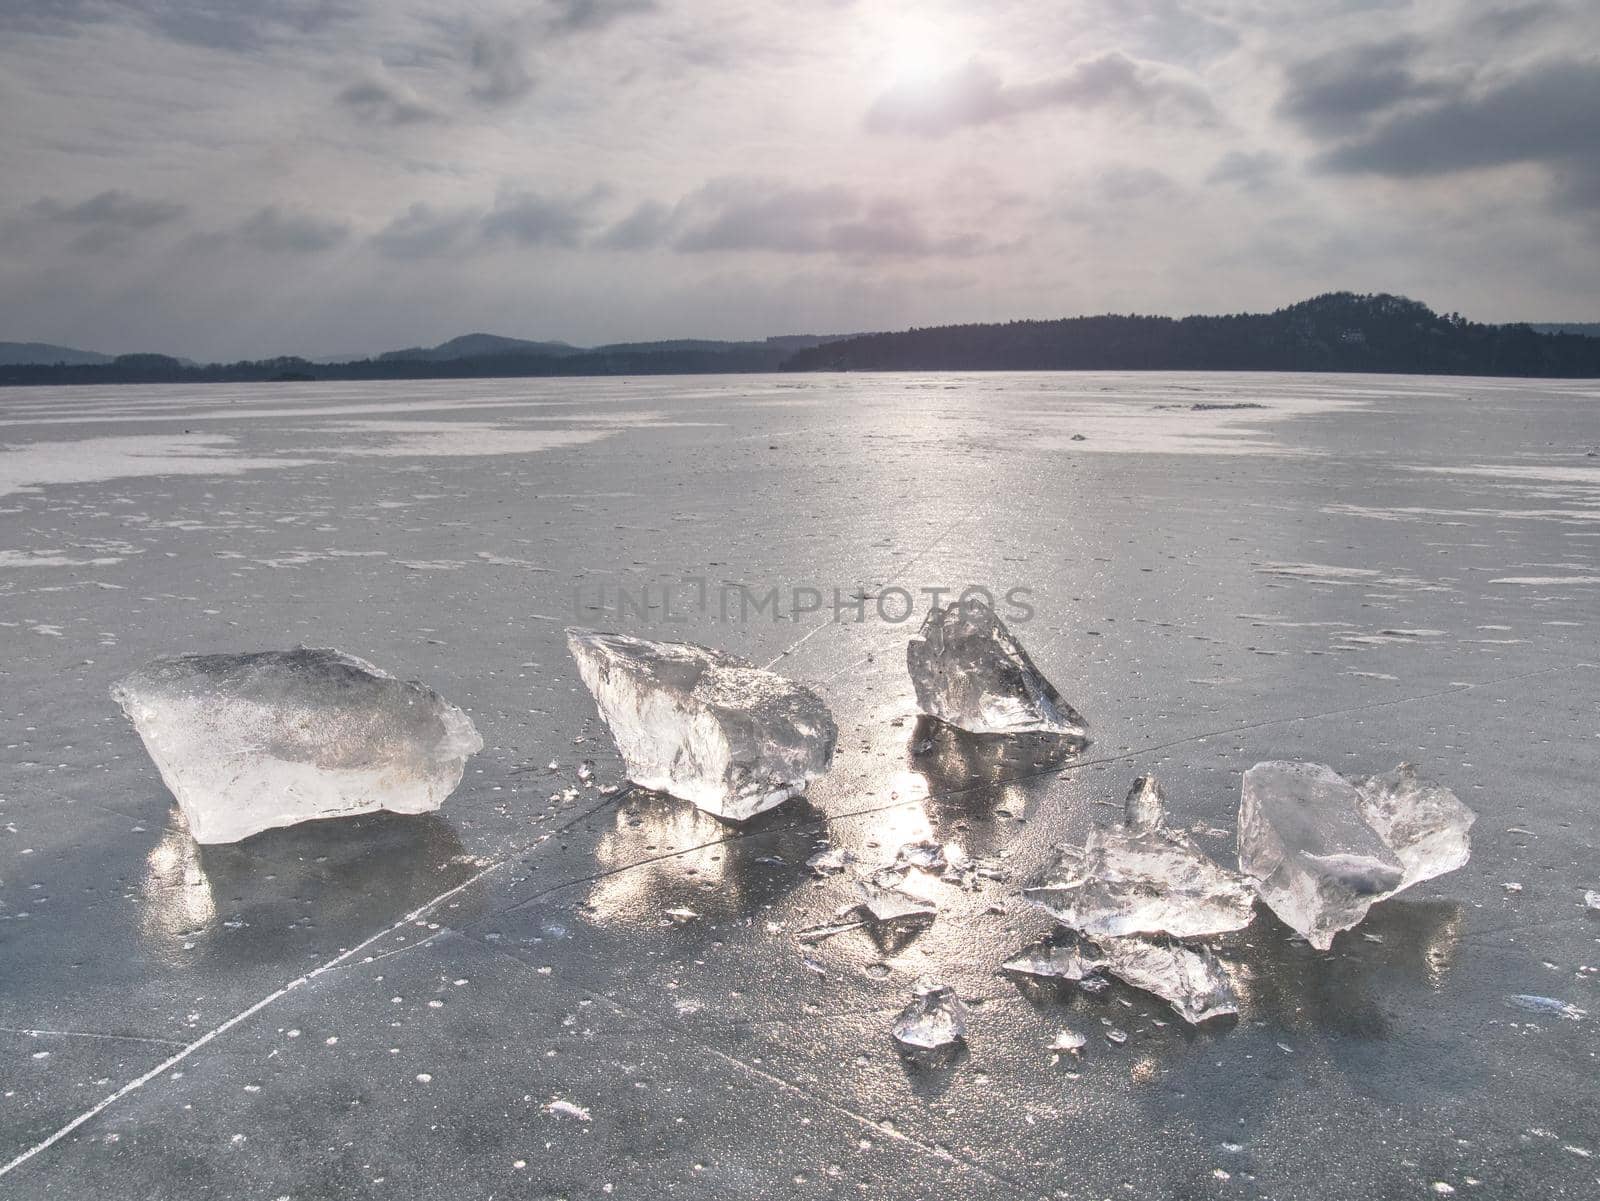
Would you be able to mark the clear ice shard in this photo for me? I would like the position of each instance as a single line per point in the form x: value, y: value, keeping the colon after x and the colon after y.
x: 1141, y: 877
x: 1322, y: 851
x: 1190, y: 979
x: 1066, y: 958
x: 250, y: 742
x: 704, y: 725
x: 1423, y: 822
x: 971, y: 673
x: 935, y: 1019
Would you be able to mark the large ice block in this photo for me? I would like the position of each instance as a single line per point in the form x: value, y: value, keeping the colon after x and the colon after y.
x: 969, y: 672
x: 249, y: 742
x: 1313, y: 857
x: 1142, y: 877
x: 704, y: 725
x: 1424, y: 823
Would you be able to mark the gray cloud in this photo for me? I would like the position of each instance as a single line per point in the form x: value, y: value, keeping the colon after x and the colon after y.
x: 1545, y: 113
x: 380, y: 103
x: 574, y: 16
x: 1337, y: 92
x: 104, y: 220
x: 278, y: 232
x: 976, y: 95
x: 536, y: 220
x: 1251, y: 170
x: 499, y: 69
x: 423, y: 231
x: 759, y: 215
x: 235, y: 25
x: 647, y: 226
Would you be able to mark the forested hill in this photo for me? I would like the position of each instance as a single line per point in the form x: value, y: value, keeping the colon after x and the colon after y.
x: 1341, y: 331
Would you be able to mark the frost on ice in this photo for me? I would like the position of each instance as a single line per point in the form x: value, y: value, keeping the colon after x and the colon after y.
x: 934, y: 1020
x: 1323, y: 851
x: 1143, y: 878
x: 969, y: 672
x: 704, y: 725
x: 251, y: 742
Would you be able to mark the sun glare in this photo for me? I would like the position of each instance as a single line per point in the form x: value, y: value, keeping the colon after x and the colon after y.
x: 916, y: 53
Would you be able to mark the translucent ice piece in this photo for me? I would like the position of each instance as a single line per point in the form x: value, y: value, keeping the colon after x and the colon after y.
x: 1144, y: 878
x: 935, y: 1019
x: 703, y: 725
x: 1314, y: 859
x: 1423, y: 822
x: 969, y: 672
x: 251, y: 742
x: 1190, y: 979
x: 1066, y: 958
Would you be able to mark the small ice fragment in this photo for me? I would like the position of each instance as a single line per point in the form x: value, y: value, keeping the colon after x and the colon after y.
x: 1511, y: 886
x: 567, y: 1109
x: 1314, y: 860
x: 936, y: 1018
x: 1114, y: 1035
x: 1143, y: 877
x: 1424, y: 824
x: 1591, y: 901
x: 891, y: 904
x: 1068, y: 1041
x: 1066, y: 958
x: 586, y: 772
x: 1190, y: 979
x: 831, y: 861
x: 969, y: 672
x: 251, y: 742
x: 1547, y: 1005
x: 928, y: 855
x: 1145, y: 809
x: 681, y: 914
x: 704, y: 725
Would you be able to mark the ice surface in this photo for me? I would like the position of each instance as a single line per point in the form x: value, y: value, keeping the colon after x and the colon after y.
x: 704, y: 725
x: 250, y: 742
x: 1190, y: 979
x: 935, y: 1019
x: 1143, y: 878
x: 1322, y: 851
x: 969, y: 672
x: 1423, y: 822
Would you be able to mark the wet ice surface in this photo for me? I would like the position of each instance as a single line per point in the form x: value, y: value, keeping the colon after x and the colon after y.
x: 523, y: 954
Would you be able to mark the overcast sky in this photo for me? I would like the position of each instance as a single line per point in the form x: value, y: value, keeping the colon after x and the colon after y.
x: 237, y: 178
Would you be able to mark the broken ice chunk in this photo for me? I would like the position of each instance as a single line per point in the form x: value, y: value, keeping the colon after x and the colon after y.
x: 1423, y: 822
x: 1547, y: 1005
x: 250, y: 742
x: 704, y: 725
x: 1190, y: 979
x: 935, y: 1019
x: 1067, y: 958
x: 885, y: 900
x: 1068, y: 1041
x: 1143, y: 878
x: 969, y: 672
x: 831, y: 861
x: 1315, y: 861
x: 1591, y: 900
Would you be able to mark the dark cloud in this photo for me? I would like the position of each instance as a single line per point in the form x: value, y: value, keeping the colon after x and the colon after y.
x: 236, y: 25
x: 499, y: 69
x: 1337, y: 92
x: 1251, y: 170
x: 536, y: 220
x: 380, y: 103
x: 776, y: 217
x: 423, y: 231
x: 1545, y: 113
x: 1516, y: 19
x: 103, y: 221
x: 649, y: 225
x: 976, y: 95
x: 573, y: 16
x: 273, y: 230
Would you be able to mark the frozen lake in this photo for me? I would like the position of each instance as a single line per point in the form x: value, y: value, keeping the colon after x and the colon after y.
x: 495, y: 1001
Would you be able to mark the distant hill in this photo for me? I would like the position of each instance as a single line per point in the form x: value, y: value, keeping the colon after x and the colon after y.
x: 1340, y: 331
x: 15, y: 353
x: 1585, y: 329
x: 475, y: 346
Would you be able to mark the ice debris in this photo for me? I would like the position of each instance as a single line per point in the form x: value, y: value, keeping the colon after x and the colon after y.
x: 971, y: 673
x: 1064, y: 958
x: 935, y: 1019
x: 704, y: 725
x: 831, y: 861
x: 1591, y: 900
x: 1142, y: 877
x: 1068, y: 1041
x: 1190, y: 979
x: 1322, y: 851
x: 251, y: 742
x: 1547, y: 1005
